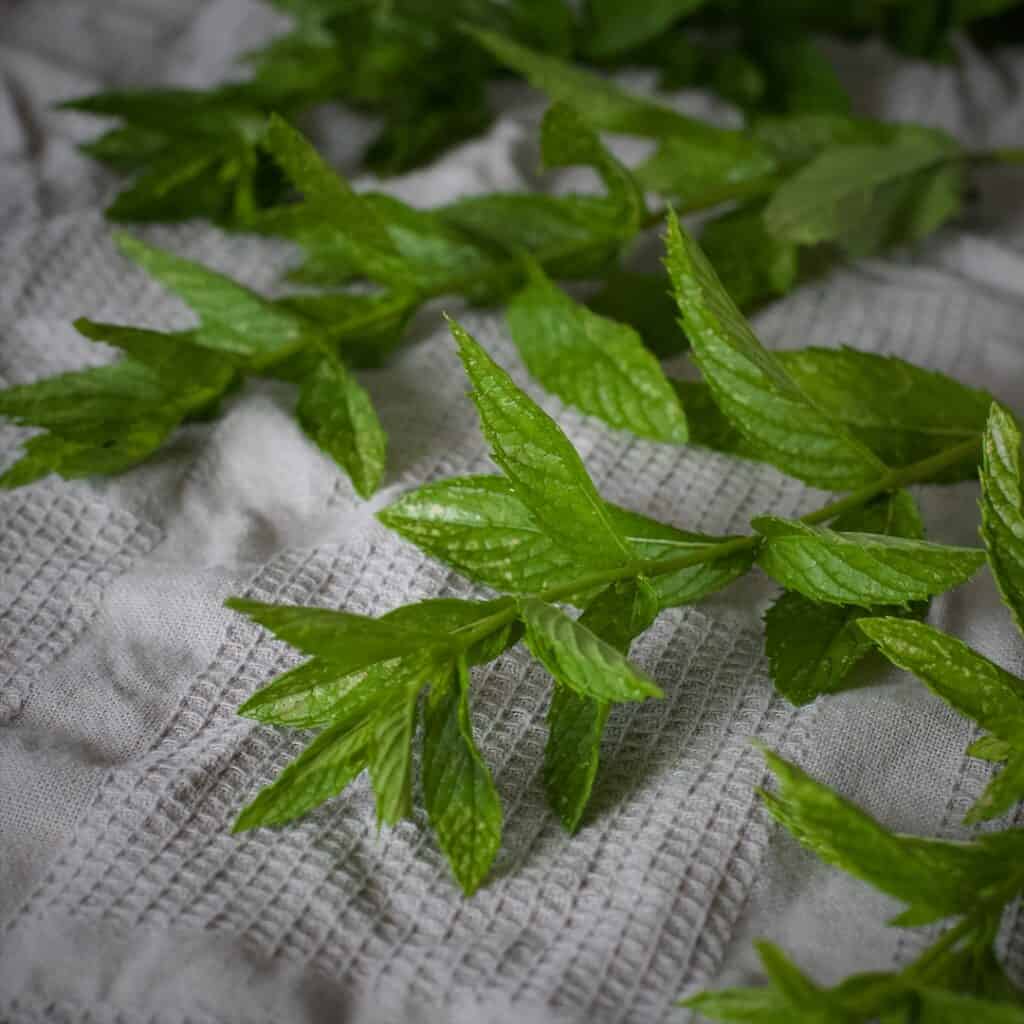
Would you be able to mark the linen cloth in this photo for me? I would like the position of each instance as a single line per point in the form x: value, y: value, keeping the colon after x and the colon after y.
x: 123, y: 895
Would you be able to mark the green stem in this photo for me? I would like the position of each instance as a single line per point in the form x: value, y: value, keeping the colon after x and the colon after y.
x: 1005, y: 155
x: 894, y: 480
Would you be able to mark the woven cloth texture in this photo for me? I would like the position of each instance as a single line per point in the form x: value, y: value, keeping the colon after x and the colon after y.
x: 123, y: 895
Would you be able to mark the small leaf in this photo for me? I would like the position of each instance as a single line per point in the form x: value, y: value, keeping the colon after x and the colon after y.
x: 543, y: 467
x: 1002, y: 794
x: 988, y: 748
x: 576, y: 722
x: 1002, y: 509
x: 338, y: 415
x: 327, y: 195
x: 750, y: 385
x: 831, y: 198
x: 937, y: 877
x: 596, y: 364
x: 320, y: 772
x: 459, y: 794
x: 975, y: 686
x: 480, y: 526
x: 390, y: 746
x: 615, y: 29
x: 233, y: 319
x: 580, y: 660
x: 902, y: 412
x: 813, y: 647
x: 859, y: 568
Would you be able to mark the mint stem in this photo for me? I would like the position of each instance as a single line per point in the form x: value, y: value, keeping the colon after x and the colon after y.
x: 894, y: 480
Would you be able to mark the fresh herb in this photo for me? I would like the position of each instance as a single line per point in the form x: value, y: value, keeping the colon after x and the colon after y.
x: 542, y: 534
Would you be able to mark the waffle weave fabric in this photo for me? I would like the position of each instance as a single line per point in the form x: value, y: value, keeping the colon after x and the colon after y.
x: 123, y: 895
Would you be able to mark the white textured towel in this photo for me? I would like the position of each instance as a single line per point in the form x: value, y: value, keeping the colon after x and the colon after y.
x: 123, y: 895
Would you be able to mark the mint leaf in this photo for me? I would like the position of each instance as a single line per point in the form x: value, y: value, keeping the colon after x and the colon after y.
x: 596, y: 364
x: 543, y: 467
x: 109, y: 418
x: 566, y: 140
x: 812, y: 647
x: 750, y: 385
x: 1002, y: 509
x: 841, y: 193
x: 580, y: 660
x: 935, y: 878
x: 458, y: 792
x: 232, y: 318
x: 390, y: 746
x: 328, y: 196
x: 645, y: 302
x: 481, y: 527
x: 970, y: 682
x: 752, y: 265
x: 902, y: 412
x: 973, y: 685
x: 356, y: 659
x: 859, y: 568
x: 320, y: 772
x: 699, y: 170
x: 614, y: 29
x: 576, y: 722
x: 603, y: 104
x: 339, y: 416
x: 940, y: 1007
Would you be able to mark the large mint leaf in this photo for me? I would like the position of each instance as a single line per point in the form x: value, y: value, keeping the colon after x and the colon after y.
x: 336, y: 412
x: 1002, y: 509
x: 752, y: 388
x: 903, y: 413
x: 543, y: 467
x: 576, y: 722
x: 813, y: 647
x: 458, y: 791
x: 481, y: 527
x: 579, y: 659
x: 860, y: 568
x: 599, y: 365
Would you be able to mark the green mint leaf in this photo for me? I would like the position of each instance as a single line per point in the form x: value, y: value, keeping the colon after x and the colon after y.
x: 839, y: 194
x: 543, y: 467
x: 1002, y: 509
x: 936, y: 1006
x: 481, y: 527
x: 390, y: 747
x: 799, y: 78
x: 428, y: 254
x: 753, y: 265
x: 347, y: 675
x: 604, y: 104
x: 936, y: 878
x: 813, y: 647
x: 327, y: 195
x: 344, y: 638
x: 902, y: 412
x: 613, y: 29
x: 989, y: 748
x: 743, y: 1006
x: 458, y: 791
x: 566, y: 140
x: 578, y: 659
x: 796, y: 139
x: 320, y: 772
x: 576, y: 723
x: 750, y: 385
x: 232, y: 318
x: 973, y: 685
x: 643, y: 301
x: 596, y: 364
x: 109, y: 418
x: 699, y: 170
x: 787, y: 979
x: 859, y: 568
x: 336, y: 412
